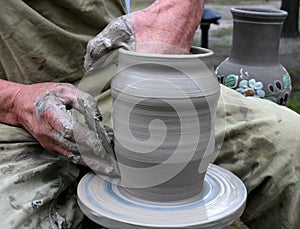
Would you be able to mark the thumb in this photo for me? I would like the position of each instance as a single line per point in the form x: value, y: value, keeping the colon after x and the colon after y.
x: 117, y: 34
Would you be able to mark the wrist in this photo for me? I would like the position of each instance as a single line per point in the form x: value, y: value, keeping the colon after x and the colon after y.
x: 9, y: 102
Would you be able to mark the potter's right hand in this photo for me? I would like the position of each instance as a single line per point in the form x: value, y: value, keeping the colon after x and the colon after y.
x: 166, y: 26
x: 44, y: 110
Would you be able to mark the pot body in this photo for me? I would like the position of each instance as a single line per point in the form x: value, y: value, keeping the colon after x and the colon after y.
x: 164, y: 110
x: 253, y: 68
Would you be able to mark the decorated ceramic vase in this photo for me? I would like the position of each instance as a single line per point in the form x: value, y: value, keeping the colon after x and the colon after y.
x: 253, y: 68
x: 164, y: 110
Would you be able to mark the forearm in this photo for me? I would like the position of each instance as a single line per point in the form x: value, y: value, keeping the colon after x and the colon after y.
x: 8, y: 93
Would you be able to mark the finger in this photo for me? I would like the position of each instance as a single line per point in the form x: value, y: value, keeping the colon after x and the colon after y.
x: 73, y: 157
x: 93, y: 152
x: 86, y: 105
x: 72, y: 97
x: 117, y: 33
x: 51, y: 138
x: 61, y: 119
x: 91, y: 139
x: 66, y: 143
x: 95, y: 124
x: 88, y: 142
x: 51, y: 109
x: 58, y: 117
x: 53, y: 143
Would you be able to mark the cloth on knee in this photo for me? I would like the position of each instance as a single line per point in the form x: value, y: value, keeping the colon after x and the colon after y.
x: 261, y: 145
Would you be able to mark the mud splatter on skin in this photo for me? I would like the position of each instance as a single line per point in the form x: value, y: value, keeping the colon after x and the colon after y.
x: 117, y: 34
x: 51, y: 102
x: 51, y: 99
x: 95, y: 143
x: 91, y: 141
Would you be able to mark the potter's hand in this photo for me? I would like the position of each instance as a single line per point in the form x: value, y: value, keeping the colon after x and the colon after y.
x: 116, y: 35
x: 44, y: 110
x: 166, y: 26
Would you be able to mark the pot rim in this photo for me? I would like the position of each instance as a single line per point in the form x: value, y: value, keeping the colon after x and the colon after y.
x: 258, y: 12
x: 195, y: 51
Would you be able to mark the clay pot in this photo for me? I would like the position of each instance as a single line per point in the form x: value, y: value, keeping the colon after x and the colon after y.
x: 253, y: 68
x: 163, y: 120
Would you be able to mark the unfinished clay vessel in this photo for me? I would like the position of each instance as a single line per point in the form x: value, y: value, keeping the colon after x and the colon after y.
x: 164, y: 109
x: 253, y: 68
x: 163, y: 120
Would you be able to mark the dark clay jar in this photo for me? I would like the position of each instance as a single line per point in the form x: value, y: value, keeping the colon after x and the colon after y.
x: 253, y: 68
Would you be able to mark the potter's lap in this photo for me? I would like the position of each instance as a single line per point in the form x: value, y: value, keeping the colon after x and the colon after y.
x: 255, y: 129
x: 30, y: 179
x: 259, y: 139
x: 14, y: 134
x: 21, y: 153
x: 18, y: 147
x: 261, y: 145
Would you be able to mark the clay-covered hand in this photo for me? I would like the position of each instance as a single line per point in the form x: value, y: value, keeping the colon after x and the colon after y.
x: 166, y: 26
x: 44, y: 110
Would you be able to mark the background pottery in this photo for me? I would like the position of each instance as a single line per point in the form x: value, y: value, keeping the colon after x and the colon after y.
x: 163, y: 119
x: 253, y: 68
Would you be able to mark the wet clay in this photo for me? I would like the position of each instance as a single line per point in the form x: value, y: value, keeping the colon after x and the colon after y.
x: 163, y: 119
x: 85, y: 139
x: 117, y: 34
x: 50, y: 102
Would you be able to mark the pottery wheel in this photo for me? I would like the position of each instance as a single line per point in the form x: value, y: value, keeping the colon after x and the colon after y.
x: 220, y: 203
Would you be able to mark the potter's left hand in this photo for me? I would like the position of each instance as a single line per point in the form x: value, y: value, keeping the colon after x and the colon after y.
x: 166, y: 26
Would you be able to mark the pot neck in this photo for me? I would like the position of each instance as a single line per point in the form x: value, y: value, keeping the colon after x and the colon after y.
x: 256, y: 36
